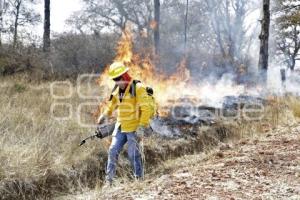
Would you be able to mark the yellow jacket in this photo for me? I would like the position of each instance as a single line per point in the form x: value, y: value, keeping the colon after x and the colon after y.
x: 132, y: 111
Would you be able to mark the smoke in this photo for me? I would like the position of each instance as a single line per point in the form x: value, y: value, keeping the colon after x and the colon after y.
x: 278, y: 87
x: 224, y: 79
x: 275, y: 83
x: 228, y: 57
x: 212, y: 94
x: 164, y: 130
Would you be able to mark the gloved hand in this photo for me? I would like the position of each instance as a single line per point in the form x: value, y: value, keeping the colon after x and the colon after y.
x: 140, y: 131
x: 102, y: 119
x: 98, y: 133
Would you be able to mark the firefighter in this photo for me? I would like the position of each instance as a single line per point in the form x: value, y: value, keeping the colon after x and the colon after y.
x: 129, y: 99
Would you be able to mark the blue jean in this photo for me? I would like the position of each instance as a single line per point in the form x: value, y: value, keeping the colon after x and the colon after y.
x: 118, y: 141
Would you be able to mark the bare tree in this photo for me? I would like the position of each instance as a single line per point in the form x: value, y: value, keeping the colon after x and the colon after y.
x: 17, y: 6
x: 175, y: 20
x: 264, y: 40
x: 1, y: 19
x: 21, y: 16
x: 288, y: 31
x: 289, y: 46
x: 157, y: 24
x: 116, y: 13
x: 228, y: 23
x: 186, y: 24
x: 46, y: 46
x: 79, y: 22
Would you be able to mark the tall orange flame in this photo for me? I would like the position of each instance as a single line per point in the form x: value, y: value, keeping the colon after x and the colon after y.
x: 144, y: 69
x: 165, y: 87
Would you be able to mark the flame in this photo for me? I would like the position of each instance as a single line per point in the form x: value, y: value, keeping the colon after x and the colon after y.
x: 153, y: 25
x: 166, y: 87
x: 144, y: 69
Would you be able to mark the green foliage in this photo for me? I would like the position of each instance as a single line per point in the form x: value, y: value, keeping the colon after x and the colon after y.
x: 19, y: 88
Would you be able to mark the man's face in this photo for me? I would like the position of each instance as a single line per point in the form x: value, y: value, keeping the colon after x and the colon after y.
x: 121, y: 83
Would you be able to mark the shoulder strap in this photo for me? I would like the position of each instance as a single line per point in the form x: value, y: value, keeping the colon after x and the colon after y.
x: 114, y: 89
x: 133, y: 87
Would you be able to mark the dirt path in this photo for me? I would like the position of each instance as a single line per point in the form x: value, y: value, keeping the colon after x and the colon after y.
x: 263, y: 168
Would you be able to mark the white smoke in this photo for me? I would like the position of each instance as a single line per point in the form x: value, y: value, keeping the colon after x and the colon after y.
x: 277, y: 87
x: 164, y: 130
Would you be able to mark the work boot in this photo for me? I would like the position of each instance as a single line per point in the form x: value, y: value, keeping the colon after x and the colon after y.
x: 138, y: 178
x: 107, y: 184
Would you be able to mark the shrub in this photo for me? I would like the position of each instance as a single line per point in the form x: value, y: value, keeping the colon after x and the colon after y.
x: 19, y: 88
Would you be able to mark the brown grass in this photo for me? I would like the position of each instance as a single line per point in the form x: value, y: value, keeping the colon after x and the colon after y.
x: 294, y: 105
x: 40, y: 157
x: 35, y: 147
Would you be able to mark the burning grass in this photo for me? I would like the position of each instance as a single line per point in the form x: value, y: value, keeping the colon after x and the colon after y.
x: 40, y: 157
x: 170, y: 86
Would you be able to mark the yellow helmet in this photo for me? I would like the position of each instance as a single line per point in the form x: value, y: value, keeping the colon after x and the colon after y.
x: 117, y: 69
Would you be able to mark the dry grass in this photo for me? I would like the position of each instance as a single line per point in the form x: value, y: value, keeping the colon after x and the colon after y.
x: 33, y: 144
x: 39, y: 156
x: 294, y: 105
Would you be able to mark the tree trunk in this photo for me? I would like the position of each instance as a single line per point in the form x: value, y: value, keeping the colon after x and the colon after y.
x: 292, y: 64
x: 156, y: 30
x: 1, y: 20
x: 264, y: 41
x: 296, y: 47
x: 46, y: 37
x: 16, y: 25
x: 186, y: 24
